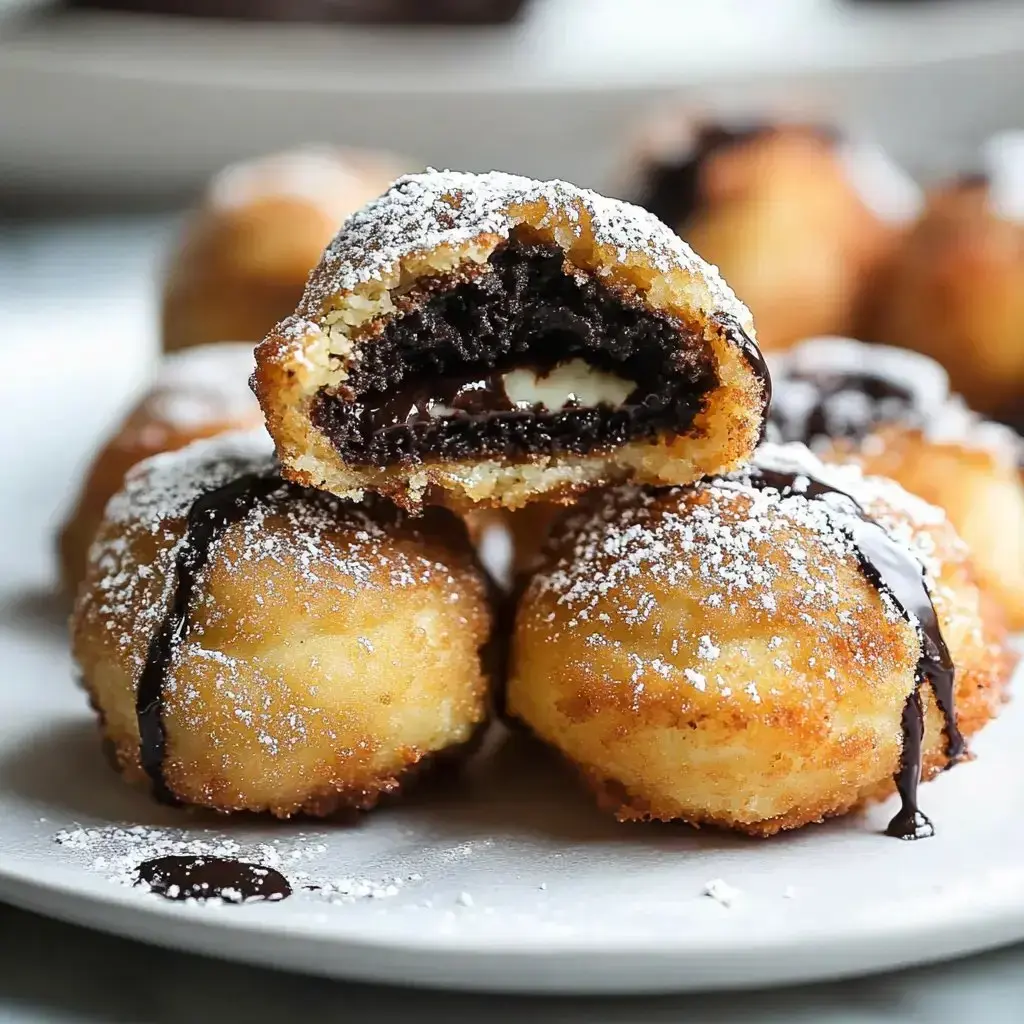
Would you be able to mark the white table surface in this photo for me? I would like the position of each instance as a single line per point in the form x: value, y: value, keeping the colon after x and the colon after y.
x: 62, y: 287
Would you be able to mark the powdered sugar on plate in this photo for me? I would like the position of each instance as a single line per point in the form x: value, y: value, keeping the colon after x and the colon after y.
x: 116, y: 852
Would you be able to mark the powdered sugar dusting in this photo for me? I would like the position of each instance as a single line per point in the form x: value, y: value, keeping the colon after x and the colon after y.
x: 117, y: 851
x: 165, y: 486
x: 740, y: 546
x: 422, y: 212
x: 295, y: 543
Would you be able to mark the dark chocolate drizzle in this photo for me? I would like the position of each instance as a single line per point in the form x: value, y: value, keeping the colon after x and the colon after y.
x: 202, y: 878
x: 889, y: 567
x: 755, y: 360
x: 210, y: 515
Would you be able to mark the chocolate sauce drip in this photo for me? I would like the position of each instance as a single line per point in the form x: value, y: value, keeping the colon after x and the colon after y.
x: 889, y: 567
x: 909, y: 822
x: 210, y: 515
x: 755, y: 360
x: 200, y: 878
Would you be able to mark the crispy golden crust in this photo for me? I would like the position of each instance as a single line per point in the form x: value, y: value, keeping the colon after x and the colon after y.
x: 244, y: 256
x: 954, y: 290
x: 780, y: 218
x: 703, y: 657
x: 981, y: 492
x: 331, y: 648
x: 431, y: 225
x: 197, y: 394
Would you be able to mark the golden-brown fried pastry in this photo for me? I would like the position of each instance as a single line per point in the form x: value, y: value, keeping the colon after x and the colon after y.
x: 488, y: 340
x: 251, y: 645
x: 890, y: 411
x: 795, y: 219
x: 744, y: 652
x: 196, y: 394
x: 244, y: 256
x: 954, y: 290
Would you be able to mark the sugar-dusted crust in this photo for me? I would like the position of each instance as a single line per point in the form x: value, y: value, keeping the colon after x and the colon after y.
x: 197, y: 393
x: 715, y: 653
x: 925, y: 439
x: 330, y: 647
x: 441, y: 223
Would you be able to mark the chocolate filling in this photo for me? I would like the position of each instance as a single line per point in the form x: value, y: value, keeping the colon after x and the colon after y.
x: 890, y: 568
x: 456, y: 336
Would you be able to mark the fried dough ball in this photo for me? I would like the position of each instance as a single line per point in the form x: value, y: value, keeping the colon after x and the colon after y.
x: 245, y: 253
x: 890, y: 411
x: 978, y: 486
x: 720, y: 654
x: 486, y: 340
x: 196, y: 394
x: 251, y: 645
x: 795, y: 219
x: 954, y: 290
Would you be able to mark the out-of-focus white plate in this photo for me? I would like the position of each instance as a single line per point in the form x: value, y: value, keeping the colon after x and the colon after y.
x: 123, y: 103
x: 510, y: 881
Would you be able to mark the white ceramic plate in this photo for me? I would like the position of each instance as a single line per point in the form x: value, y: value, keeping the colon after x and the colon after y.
x: 512, y: 881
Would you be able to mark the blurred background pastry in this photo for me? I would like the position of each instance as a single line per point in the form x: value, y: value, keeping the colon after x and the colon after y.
x: 196, y: 394
x: 890, y: 410
x: 400, y: 12
x: 243, y: 257
x: 795, y: 217
x: 954, y: 288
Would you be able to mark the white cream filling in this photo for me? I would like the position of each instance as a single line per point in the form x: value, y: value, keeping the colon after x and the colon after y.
x: 574, y: 383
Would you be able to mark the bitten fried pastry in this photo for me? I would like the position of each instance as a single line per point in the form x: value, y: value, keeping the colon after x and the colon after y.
x: 757, y: 651
x: 490, y: 340
x: 196, y: 394
x: 954, y: 288
x: 796, y: 218
x: 245, y: 253
x: 251, y: 645
x: 890, y: 411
